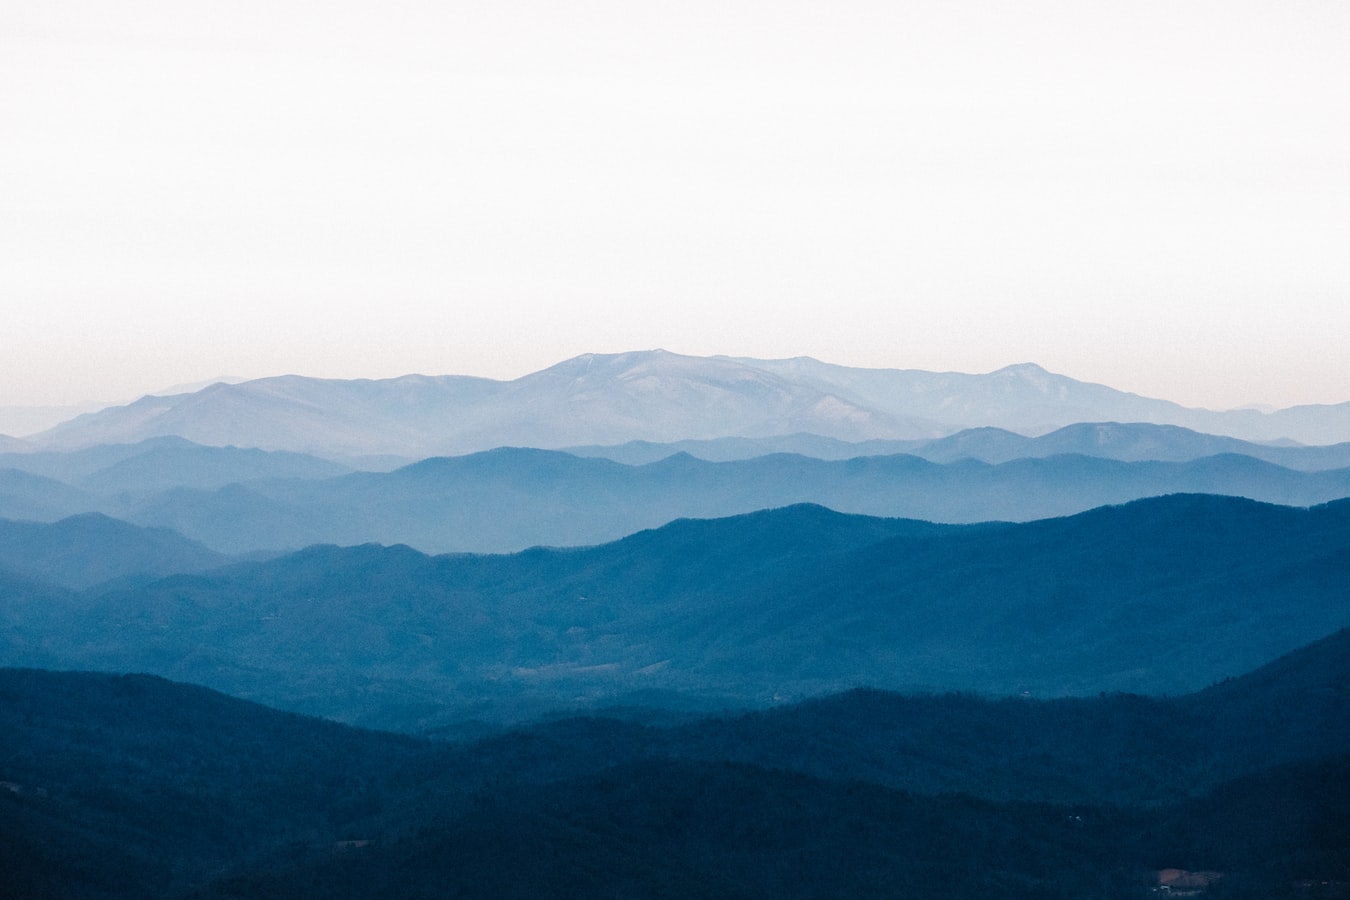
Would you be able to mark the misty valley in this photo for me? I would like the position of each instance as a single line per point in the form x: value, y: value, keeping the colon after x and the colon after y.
x: 648, y: 625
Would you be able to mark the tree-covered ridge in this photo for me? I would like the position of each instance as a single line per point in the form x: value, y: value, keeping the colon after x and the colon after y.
x: 1158, y: 596
x: 131, y: 786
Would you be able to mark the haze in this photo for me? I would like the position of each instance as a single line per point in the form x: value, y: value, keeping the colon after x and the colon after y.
x: 1149, y: 195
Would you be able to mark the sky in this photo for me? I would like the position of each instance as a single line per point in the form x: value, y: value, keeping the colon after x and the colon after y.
x: 1151, y: 195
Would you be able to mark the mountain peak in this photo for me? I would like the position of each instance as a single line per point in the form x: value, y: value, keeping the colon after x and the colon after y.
x: 1025, y: 369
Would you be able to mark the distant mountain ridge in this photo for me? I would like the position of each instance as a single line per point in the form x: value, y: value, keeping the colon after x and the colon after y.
x: 652, y: 396
x: 245, y: 500
x: 1124, y: 441
x: 510, y: 499
x: 160, y: 463
x: 1027, y: 399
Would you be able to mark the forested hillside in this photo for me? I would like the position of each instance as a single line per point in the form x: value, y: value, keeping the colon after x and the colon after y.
x: 776, y: 605
x: 131, y: 786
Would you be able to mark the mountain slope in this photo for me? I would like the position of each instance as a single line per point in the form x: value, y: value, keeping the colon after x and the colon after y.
x: 27, y: 496
x: 131, y: 786
x: 1117, y: 748
x: 787, y: 603
x: 85, y: 550
x: 1027, y: 399
x: 170, y: 463
x: 1024, y: 398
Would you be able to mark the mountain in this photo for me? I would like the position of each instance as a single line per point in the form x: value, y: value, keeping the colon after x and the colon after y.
x: 1118, y: 748
x: 158, y: 464
x: 1127, y: 442
x: 1027, y: 399
x: 88, y: 549
x: 172, y: 463
x: 509, y: 499
x: 71, y: 466
x: 594, y: 398
x: 25, y: 420
x: 650, y: 396
x: 120, y: 786
x: 705, y: 830
x: 127, y: 786
x: 781, y: 604
x: 1024, y: 398
x: 12, y: 444
x: 27, y: 496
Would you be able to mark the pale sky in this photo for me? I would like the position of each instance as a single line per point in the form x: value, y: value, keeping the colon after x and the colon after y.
x: 1151, y: 195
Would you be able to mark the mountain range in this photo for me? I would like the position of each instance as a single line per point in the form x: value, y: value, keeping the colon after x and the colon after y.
x: 122, y: 786
x: 510, y: 499
x: 651, y: 396
x: 1123, y: 441
x: 662, y: 648
x: 1162, y: 595
x: 245, y: 501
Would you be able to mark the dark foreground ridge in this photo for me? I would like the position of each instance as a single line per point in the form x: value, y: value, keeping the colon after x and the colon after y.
x: 131, y: 786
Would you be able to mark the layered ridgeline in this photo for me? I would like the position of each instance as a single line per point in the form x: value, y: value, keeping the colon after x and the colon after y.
x: 1123, y: 441
x: 162, y: 462
x: 239, y: 501
x: 131, y: 786
x: 157, y: 464
x: 652, y: 396
x: 1162, y: 595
